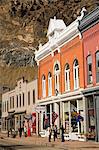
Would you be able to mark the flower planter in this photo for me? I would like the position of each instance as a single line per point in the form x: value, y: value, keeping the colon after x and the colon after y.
x: 82, y: 138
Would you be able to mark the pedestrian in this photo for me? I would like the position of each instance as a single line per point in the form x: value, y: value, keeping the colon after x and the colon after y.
x: 25, y: 131
x: 20, y: 132
x: 55, y: 132
x: 50, y: 133
x: 62, y: 133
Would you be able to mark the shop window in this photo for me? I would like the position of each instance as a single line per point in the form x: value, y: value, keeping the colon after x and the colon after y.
x: 73, y: 109
x: 97, y: 66
x: 89, y: 69
x: 76, y: 74
x: 49, y: 84
x: 33, y: 96
x: 43, y: 86
x: 29, y: 98
x: 67, y: 78
x: 91, y: 116
x: 56, y: 72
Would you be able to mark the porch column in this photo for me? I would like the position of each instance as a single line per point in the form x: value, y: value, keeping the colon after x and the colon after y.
x: 41, y: 121
x: 69, y: 116
x: 63, y: 116
x: 37, y: 121
x: 50, y: 114
x: 56, y: 109
x: 61, y: 113
x: 78, y: 112
x: 85, y: 114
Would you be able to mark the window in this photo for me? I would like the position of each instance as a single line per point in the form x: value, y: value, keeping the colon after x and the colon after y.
x: 13, y: 101
x: 33, y: 96
x: 29, y: 98
x: 10, y: 102
x: 20, y: 99
x: 89, y: 69
x: 56, y: 72
x: 67, y: 77
x: 23, y: 99
x: 49, y: 84
x: 76, y: 74
x: 7, y: 106
x: 43, y: 86
x: 97, y: 66
x: 17, y: 100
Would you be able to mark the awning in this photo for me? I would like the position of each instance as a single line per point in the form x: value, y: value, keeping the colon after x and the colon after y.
x: 20, y: 112
x: 28, y: 117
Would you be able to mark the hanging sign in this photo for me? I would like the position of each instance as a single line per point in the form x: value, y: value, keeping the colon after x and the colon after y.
x: 40, y: 109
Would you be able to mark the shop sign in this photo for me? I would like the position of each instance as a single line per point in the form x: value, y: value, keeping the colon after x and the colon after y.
x: 40, y: 109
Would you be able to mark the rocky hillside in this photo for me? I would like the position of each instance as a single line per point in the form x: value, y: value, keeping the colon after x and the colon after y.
x: 23, y: 24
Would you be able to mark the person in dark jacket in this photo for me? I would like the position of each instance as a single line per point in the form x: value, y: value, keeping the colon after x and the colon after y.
x: 62, y: 133
x: 55, y: 132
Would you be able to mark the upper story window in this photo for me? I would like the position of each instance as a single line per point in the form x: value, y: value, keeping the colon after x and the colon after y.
x: 67, y: 77
x: 23, y: 98
x: 43, y: 86
x: 49, y: 84
x: 7, y: 106
x: 13, y: 101
x: 56, y: 73
x: 10, y: 102
x: 89, y: 69
x: 20, y: 99
x: 33, y: 96
x: 17, y: 100
x: 29, y: 98
x: 76, y: 74
x: 97, y: 67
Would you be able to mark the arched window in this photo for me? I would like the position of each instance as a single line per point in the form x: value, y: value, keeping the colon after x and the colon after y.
x: 97, y: 66
x: 56, y: 72
x: 89, y: 69
x: 76, y: 74
x: 49, y: 84
x: 43, y: 86
x: 67, y: 77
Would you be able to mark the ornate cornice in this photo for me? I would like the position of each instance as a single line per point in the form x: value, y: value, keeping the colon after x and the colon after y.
x: 89, y: 20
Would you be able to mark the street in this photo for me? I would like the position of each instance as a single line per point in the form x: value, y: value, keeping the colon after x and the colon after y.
x: 38, y: 143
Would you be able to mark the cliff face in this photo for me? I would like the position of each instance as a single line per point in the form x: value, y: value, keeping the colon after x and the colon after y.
x: 23, y: 24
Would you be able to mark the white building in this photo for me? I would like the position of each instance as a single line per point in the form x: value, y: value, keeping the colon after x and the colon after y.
x: 19, y: 104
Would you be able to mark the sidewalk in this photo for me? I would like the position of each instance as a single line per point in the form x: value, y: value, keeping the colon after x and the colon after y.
x: 68, y: 145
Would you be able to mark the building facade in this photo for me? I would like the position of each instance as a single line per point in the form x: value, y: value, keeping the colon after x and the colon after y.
x: 61, y: 78
x: 18, y: 105
x: 89, y: 27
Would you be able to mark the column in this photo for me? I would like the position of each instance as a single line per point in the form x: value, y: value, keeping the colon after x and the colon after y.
x: 63, y: 116
x: 78, y: 112
x: 37, y: 122
x: 41, y: 121
x: 85, y: 114
x: 50, y: 114
x: 56, y: 109
x: 61, y: 113
x: 69, y: 116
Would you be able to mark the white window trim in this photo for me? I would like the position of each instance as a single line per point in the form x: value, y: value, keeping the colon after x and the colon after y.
x: 76, y: 79
x: 43, y: 87
x: 49, y: 86
x: 67, y: 83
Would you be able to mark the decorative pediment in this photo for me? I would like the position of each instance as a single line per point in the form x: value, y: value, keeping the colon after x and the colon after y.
x: 55, y: 25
